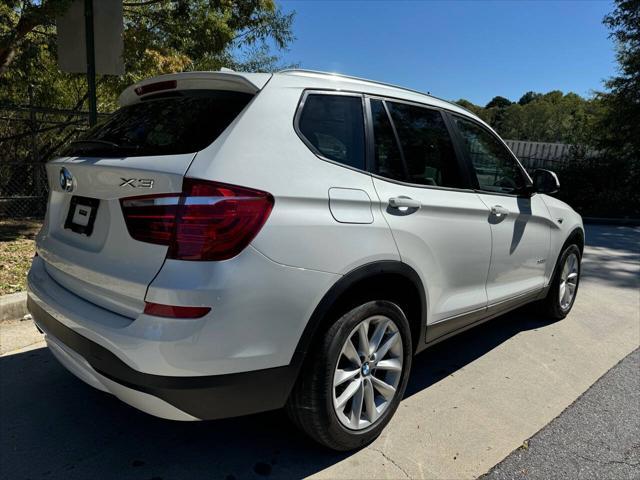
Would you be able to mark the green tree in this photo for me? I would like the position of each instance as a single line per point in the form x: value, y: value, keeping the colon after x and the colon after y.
x: 552, y: 117
x: 160, y: 36
x: 528, y: 97
x: 622, y: 122
x: 549, y: 117
x: 472, y: 107
x: 494, y: 111
x: 607, y: 184
x: 498, y: 102
x: 20, y: 19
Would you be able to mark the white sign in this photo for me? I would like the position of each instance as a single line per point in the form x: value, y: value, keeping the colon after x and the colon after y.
x: 107, y: 28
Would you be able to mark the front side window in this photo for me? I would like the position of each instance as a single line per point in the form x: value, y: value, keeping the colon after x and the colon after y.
x: 334, y: 126
x: 495, y: 168
x: 426, y: 147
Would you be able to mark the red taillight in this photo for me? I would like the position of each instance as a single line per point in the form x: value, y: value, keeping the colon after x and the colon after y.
x: 174, y: 311
x: 207, y: 221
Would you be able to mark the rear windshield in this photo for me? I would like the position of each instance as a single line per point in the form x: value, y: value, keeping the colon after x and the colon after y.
x: 179, y: 122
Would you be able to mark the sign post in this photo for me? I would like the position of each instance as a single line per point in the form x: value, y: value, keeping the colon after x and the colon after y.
x: 91, y: 62
x: 90, y: 42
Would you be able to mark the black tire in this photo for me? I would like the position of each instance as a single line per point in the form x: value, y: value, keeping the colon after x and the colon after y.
x: 550, y: 306
x: 310, y: 406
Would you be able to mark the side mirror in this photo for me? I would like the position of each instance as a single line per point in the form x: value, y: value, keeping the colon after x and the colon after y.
x: 545, y: 181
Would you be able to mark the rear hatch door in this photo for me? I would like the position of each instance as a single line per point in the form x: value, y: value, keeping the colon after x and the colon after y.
x: 144, y: 148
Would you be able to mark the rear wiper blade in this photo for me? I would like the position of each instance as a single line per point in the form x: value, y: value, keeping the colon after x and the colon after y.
x: 95, y: 142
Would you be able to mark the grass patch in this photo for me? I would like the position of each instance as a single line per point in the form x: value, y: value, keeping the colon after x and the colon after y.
x: 17, y: 248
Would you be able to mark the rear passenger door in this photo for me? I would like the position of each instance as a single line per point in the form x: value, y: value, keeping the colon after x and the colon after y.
x: 439, y: 224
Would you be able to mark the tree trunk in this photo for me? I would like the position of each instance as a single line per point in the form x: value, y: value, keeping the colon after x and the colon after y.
x: 11, y: 42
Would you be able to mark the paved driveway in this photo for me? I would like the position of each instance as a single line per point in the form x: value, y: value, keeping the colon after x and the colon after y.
x: 470, y: 402
x: 598, y: 437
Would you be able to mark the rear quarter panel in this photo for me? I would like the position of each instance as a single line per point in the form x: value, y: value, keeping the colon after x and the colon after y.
x: 263, y: 151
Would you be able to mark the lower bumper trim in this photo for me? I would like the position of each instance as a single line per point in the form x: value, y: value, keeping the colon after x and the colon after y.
x: 204, y: 397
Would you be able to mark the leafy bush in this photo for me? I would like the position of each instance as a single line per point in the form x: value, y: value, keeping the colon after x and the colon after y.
x: 602, y: 187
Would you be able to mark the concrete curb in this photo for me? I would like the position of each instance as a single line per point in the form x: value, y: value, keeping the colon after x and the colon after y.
x: 13, y: 306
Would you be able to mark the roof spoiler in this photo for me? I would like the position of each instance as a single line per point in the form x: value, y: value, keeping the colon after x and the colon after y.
x: 223, y: 80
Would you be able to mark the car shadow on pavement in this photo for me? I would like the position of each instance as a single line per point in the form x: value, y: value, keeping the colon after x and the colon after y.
x: 54, y: 426
x: 449, y: 356
x: 613, y: 255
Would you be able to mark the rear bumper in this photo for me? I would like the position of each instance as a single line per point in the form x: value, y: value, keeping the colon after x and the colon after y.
x: 175, y: 398
x: 240, y: 358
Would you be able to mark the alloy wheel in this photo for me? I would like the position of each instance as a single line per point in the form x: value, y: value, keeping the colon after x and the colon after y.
x: 368, y: 372
x: 568, y: 281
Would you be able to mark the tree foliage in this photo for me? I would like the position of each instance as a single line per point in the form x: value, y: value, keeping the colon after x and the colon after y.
x: 528, y: 97
x: 498, y: 102
x: 608, y: 121
x: 605, y: 184
x: 621, y: 124
x: 549, y: 117
x: 160, y: 36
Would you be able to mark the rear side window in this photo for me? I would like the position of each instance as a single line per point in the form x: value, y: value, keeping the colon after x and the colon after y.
x: 426, y: 146
x: 334, y: 126
x: 387, y: 158
x: 180, y: 122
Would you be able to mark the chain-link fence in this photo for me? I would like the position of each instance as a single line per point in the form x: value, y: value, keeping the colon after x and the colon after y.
x: 23, y: 189
x: 29, y: 136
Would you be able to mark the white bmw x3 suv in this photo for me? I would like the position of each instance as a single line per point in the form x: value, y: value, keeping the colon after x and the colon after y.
x: 231, y: 243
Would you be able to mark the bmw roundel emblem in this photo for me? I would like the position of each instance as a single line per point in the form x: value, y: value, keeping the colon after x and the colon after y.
x: 66, y: 180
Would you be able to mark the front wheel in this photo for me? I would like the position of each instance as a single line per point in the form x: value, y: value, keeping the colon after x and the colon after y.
x: 352, y: 384
x: 564, y: 286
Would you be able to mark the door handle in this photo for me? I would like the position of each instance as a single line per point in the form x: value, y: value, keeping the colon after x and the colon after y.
x: 404, y: 202
x: 499, y: 211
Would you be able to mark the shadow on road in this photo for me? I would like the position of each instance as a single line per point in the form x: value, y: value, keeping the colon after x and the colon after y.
x: 55, y: 426
x: 613, y: 255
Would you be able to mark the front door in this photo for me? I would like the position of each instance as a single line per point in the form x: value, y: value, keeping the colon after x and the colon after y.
x: 519, y: 221
x: 439, y: 224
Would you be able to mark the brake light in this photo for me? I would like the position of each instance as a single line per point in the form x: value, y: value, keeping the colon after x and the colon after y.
x: 174, y: 311
x: 207, y: 221
x: 156, y: 87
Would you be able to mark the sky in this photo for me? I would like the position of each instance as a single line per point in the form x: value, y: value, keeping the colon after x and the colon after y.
x: 458, y: 49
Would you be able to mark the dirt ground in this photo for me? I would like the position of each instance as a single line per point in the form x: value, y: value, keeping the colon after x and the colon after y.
x: 16, y: 251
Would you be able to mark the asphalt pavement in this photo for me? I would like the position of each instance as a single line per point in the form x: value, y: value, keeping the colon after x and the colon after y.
x: 597, y: 437
x: 471, y: 401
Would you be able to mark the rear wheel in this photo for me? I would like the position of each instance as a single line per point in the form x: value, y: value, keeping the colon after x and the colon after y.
x: 564, y: 287
x: 354, y: 379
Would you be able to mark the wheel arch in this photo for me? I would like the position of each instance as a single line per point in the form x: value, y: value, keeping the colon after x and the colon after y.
x: 383, y: 280
x: 576, y: 236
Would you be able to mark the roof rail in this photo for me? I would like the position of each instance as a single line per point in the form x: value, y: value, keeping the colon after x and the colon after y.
x: 304, y: 70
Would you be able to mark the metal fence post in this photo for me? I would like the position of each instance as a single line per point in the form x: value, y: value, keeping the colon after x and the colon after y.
x: 35, y: 155
x: 91, y: 62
